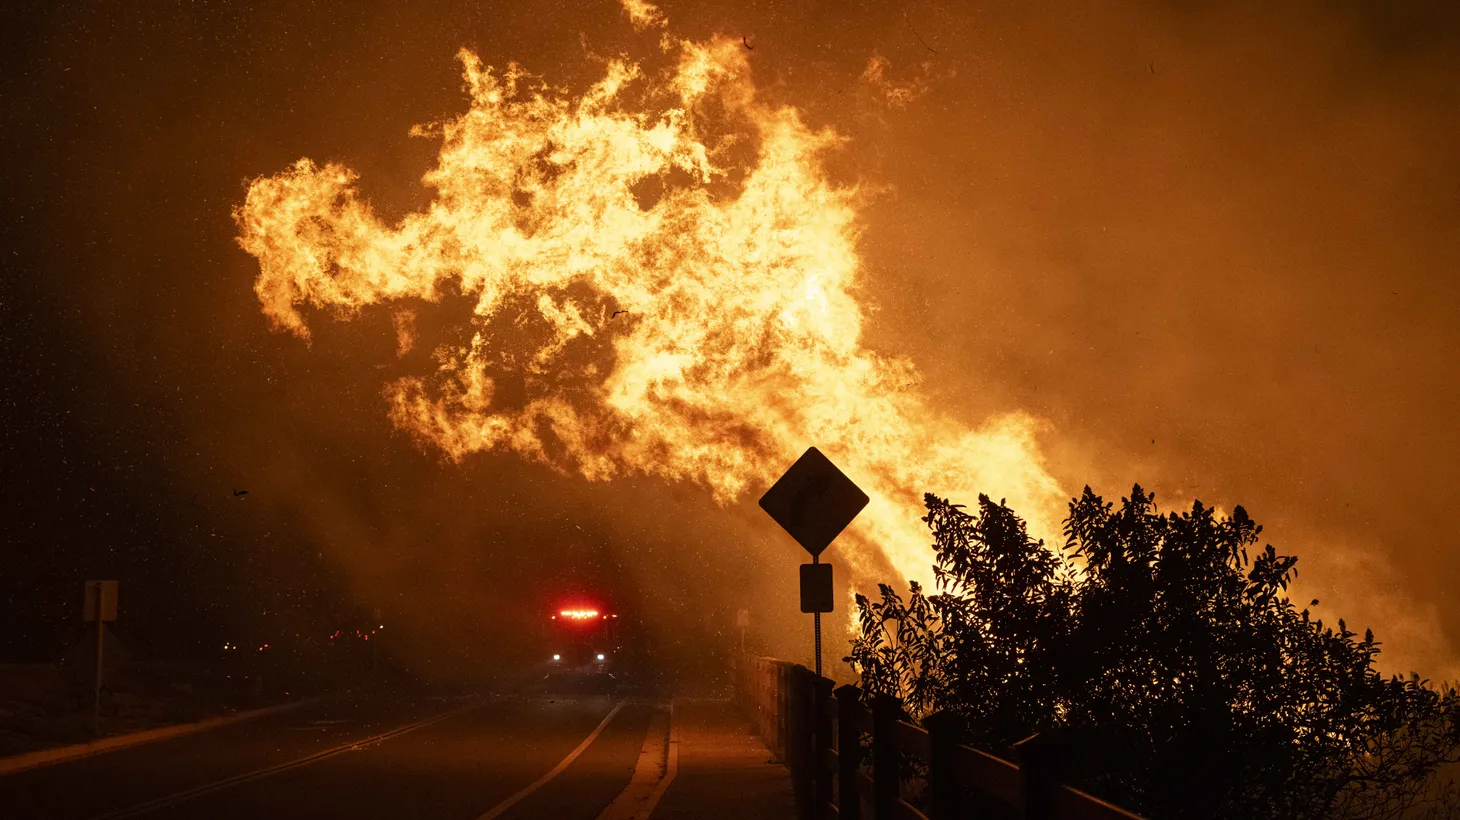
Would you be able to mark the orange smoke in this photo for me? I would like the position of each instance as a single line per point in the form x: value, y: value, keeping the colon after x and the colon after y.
x: 709, y: 335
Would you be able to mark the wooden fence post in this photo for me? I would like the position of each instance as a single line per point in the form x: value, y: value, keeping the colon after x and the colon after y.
x: 767, y: 705
x: 943, y: 790
x: 799, y: 745
x: 758, y: 688
x: 1042, y: 761
x: 886, y: 712
x: 821, y: 732
x: 780, y: 710
x: 849, y: 752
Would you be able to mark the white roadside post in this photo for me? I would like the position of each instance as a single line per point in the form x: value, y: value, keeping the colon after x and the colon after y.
x: 100, y: 606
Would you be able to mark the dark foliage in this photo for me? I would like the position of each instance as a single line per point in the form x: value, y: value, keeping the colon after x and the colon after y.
x: 1170, y: 660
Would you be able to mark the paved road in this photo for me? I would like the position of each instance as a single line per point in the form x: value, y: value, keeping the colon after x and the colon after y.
x: 362, y: 758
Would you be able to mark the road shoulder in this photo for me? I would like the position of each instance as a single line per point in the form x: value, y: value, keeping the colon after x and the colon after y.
x: 62, y: 754
x: 653, y: 771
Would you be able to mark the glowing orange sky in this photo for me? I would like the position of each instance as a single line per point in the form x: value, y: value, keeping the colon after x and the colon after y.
x: 1210, y: 249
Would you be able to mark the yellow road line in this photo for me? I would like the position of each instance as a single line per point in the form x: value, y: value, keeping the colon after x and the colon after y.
x: 497, y: 810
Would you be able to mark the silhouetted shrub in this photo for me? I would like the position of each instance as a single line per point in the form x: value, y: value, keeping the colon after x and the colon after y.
x: 1184, y: 681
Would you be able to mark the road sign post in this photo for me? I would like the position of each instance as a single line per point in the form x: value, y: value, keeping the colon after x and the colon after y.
x: 816, y: 597
x: 814, y: 501
x: 100, y: 606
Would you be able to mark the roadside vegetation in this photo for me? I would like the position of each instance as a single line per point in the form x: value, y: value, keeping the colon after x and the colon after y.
x: 1163, y: 652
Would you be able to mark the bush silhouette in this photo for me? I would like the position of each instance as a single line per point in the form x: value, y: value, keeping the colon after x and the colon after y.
x: 1171, y: 663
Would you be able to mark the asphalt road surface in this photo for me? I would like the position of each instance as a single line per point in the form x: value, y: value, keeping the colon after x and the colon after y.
x: 364, y: 757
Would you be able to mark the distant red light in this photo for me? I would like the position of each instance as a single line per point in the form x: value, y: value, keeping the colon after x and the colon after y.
x: 579, y: 614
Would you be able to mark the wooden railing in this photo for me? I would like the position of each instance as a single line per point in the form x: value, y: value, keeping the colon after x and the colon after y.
x: 820, y: 731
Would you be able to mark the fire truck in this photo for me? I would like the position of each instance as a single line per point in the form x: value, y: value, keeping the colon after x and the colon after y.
x: 582, y: 640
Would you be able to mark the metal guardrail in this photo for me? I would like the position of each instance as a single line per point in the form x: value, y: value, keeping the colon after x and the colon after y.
x: 820, y: 731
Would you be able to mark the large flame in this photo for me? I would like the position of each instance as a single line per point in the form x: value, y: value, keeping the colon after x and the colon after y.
x: 741, y: 342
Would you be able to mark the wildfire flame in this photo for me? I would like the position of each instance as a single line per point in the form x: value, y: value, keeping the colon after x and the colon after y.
x: 741, y: 341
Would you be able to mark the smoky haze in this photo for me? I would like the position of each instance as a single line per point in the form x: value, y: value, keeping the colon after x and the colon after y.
x: 1211, y: 248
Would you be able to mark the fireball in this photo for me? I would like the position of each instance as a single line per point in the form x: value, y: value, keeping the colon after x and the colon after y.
x: 667, y: 278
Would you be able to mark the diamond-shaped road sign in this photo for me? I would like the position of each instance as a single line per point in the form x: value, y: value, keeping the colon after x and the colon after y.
x: 813, y: 501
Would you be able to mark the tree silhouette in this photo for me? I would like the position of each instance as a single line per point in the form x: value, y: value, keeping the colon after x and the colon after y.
x: 1181, y: 679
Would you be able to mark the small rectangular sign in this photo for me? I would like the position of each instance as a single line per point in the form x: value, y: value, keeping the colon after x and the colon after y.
x: 104, y: 594
x: 816, y: 595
